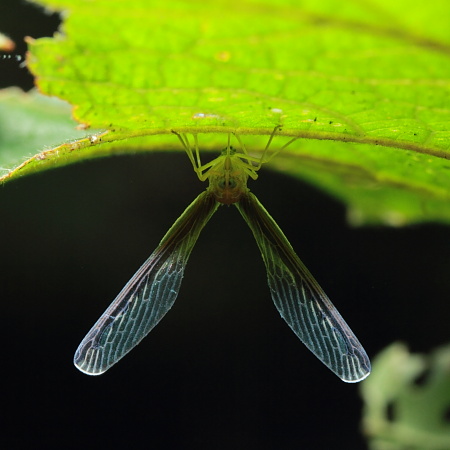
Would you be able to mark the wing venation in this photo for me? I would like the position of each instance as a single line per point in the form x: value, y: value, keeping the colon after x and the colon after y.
x: 300, y: 300
x: 148, y: 296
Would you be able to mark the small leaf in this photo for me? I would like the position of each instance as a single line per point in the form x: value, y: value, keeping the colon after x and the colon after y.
x: 407, y: 399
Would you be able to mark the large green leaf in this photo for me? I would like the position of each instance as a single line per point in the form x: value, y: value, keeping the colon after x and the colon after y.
x: 365, y: 87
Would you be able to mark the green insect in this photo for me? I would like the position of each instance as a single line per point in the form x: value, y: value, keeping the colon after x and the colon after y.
x: 152, y: 291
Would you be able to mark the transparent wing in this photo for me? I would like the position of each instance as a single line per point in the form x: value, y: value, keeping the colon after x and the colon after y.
x: 301, y: 301
x: 148, y: 296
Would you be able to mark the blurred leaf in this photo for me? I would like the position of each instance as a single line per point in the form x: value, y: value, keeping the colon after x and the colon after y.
x: 32, y: 121
x: 365, y: 86
x: 407, y: 400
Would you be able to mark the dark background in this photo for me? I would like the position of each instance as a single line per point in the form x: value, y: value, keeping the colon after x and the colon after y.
x: 222, y: 370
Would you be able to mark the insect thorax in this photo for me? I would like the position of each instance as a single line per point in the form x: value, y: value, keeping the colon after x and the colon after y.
x: 228, y: 179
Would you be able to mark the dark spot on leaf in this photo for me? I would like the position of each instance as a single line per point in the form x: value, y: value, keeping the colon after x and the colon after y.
x: 330, y: 122
x: 315, y: 119
x: 423, y: 378
x: 446, y: 415
x: 390, y: 412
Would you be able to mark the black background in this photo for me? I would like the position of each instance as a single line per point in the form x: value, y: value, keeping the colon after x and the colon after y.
x: 222, y: 370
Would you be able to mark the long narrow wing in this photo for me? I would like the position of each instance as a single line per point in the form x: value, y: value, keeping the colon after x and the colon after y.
x: 301, y: 301
x: 148, y: 296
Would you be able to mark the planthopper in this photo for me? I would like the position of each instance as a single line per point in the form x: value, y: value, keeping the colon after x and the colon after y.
x: 153, y: 289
